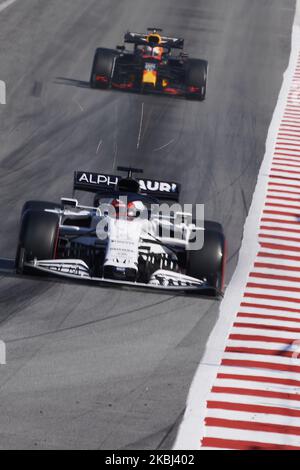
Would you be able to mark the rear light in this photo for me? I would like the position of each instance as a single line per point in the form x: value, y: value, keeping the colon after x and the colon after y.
x: 101, y: 78
x: 172, y: 91
x: 194, y: 89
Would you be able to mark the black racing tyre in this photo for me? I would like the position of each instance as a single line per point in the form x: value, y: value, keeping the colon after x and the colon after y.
x: 103, y: 68
x: 196, y: 79
x: 214, y: 226
x: 209, y: 225
x: 39, y: 206
x: 38, y: 237
x: 209, y: 262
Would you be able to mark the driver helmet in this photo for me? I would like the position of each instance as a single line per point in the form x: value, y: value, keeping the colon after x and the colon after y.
x: 132, y: 210
x: 135, y: 209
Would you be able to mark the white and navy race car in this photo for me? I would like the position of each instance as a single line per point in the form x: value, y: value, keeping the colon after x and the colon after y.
x: 135, y: 234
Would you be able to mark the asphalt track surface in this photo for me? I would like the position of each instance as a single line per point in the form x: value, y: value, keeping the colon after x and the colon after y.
x: 99, y: 368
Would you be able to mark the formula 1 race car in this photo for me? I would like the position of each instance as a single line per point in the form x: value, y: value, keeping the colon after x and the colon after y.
x: 134, y: 234
x: 150, y: 67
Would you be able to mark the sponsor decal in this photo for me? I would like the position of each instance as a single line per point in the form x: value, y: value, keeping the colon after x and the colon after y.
x: 150, y: 67
x: 158, y: 186
x: 166, y: 279
x: 2, y: 92
x: 77, y: 268
x: 90, y: 180
x: 97, y: 179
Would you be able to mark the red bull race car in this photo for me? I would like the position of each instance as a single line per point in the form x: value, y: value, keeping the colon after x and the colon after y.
x: 151, y: 66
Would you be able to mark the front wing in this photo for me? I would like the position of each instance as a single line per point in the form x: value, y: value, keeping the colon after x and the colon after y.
x: 78, y: 269
x: 176, y: 84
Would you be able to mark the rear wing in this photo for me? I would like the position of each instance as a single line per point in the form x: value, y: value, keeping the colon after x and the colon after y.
x: 142, y: 39
x: 102, y: 183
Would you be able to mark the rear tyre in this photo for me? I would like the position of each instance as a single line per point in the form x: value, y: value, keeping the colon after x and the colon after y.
x: 38, y: 238
x: 208, y: 225
x: 213, y: 226
x: 196, y: 79
x: 103, y: 68
x: 209, y: 262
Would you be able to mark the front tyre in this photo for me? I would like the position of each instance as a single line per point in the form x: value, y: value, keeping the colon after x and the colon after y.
x: 196, y: 79
x: 209, y: 262
x: 103, y: 68
x: 38, y: 238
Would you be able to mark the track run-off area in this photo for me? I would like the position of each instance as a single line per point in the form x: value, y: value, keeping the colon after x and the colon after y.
x: 250, y: 400
x: 107, y: 368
